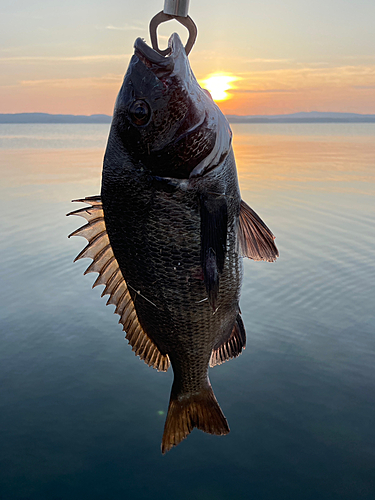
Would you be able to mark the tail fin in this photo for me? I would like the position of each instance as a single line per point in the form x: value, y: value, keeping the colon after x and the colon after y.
x: 185, y: 412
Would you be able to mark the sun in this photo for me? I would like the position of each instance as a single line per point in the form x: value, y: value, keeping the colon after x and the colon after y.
x: 217, y: 85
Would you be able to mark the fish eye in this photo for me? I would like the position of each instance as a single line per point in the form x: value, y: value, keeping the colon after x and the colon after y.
x: 139, y: 112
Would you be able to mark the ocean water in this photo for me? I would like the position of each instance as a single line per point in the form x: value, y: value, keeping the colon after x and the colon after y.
x: 82, y: 417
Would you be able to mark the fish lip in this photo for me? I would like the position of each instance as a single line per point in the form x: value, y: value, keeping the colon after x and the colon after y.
x: 151, y: 58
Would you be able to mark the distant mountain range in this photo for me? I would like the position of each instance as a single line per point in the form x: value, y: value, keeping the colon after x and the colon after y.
x: 303, y: 117
x: 47, y: 118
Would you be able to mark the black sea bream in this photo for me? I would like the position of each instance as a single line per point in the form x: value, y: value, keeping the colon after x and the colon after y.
x: 169, y: 231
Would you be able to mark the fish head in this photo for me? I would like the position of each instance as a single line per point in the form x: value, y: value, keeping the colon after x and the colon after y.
x: 163, y: 119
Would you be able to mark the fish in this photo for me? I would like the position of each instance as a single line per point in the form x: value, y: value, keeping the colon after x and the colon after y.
x: 168, y: 233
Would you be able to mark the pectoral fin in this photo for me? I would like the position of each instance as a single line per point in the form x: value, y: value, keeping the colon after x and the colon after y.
x: 255, y: 239
x: 214, y: 222
x: 104, y: 262
x: 230, y: 347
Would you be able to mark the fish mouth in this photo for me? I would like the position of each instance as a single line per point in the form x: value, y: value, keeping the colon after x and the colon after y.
x: 160, y: 65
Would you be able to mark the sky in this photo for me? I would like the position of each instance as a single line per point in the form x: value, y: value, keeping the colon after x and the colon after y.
x: 287, y: 55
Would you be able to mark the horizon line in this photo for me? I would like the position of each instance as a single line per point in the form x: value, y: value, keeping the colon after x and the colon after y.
x: 298, y: 117
x: 226, y: 114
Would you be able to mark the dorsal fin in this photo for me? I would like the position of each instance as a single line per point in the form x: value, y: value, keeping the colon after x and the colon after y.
x: 231, y: 347
x: 255, y: 239
x: 104, y: 262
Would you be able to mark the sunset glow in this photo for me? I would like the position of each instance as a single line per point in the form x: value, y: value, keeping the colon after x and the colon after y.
x: 218, y: 85
x: 266, y: 60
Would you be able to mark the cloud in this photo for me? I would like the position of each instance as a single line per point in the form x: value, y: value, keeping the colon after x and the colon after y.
x: 313, y: 64
x: 127, y: 27
x: 260, y: 60
x: 361, y: 57
x: 364, y: 87
x: 92, y: 58
x: 308, y: 77
x: 260, y: 91
x: 104, y: 81
x: 228, y: 55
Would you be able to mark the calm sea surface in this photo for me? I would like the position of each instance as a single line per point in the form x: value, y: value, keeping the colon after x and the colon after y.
x: 82, y: 418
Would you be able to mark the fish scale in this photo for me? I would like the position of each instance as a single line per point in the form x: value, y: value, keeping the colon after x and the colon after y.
x: 168, y: 233
x: 160, y: 260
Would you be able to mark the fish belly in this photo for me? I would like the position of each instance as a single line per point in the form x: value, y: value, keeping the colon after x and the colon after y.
x: 155, y: 232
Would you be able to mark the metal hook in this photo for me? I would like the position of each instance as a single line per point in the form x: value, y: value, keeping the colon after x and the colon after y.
x: 187, y: 21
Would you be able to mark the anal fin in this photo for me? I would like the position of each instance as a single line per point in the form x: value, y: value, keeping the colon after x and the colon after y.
x: 255, y: 238
x: 232, y: 346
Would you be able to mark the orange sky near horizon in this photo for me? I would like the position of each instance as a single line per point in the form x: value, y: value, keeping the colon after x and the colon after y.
x: 286, y: 58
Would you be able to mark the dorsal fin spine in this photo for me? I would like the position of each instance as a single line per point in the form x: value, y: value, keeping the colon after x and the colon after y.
x: 108, y: 270
x: 94, y: 246
x: 99, y: 262
x: 120, y: 305
x: 127, y: 317
x: 112, y: 287
x: 117, y: 292
x: 126, y: 302
x: 111, y: 283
